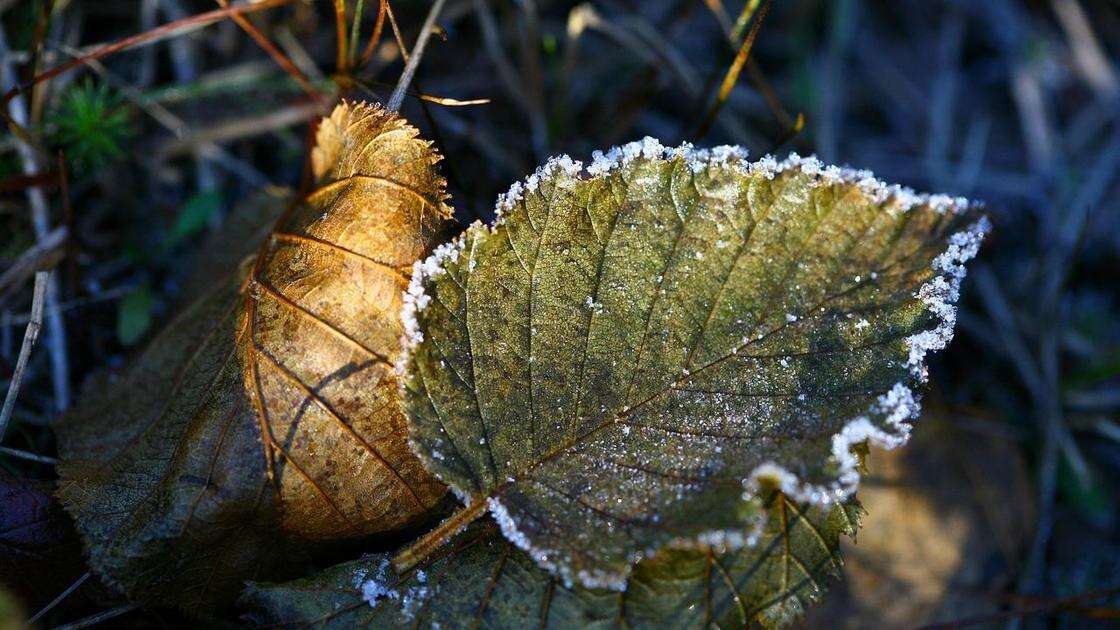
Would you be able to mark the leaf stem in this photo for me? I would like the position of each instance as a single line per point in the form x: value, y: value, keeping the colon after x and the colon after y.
x: 419, y: 551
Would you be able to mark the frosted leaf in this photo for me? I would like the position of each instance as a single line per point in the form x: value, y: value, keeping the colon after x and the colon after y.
x: 633, y: 352
x: 778, y: 565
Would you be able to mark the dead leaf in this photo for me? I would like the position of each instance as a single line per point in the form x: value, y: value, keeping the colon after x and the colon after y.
x: 266, y: 414
x: 40, y: 554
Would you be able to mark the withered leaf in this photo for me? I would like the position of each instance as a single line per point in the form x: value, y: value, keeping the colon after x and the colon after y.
x: 40, y: 554
x: 484, y: 581
x: 625, y: 356
x: 266, y: 415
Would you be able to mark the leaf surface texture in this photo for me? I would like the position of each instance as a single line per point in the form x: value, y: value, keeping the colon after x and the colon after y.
x: 626, y: 356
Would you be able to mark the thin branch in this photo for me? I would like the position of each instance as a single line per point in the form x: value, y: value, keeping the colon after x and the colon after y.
x: 58, y: 600
x: 104, y: 615
x: 279, y: 57
x: 42, y: 255
x: 376, y: 37
x: 355, y: 34
x: 30, y: 334
x: 340, y: 33
x: 171, y: 29
x: 31, y: 457
x: 415, y: 56
x: 17, y: 113
x: 240, y: 128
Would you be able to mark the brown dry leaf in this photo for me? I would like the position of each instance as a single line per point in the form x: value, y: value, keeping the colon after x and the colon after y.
x: 266, y: 414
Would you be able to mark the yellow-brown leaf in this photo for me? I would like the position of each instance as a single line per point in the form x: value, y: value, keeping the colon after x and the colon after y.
x: 266, y: 414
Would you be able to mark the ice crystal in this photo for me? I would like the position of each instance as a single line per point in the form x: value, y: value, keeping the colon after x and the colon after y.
x: 376, y: 589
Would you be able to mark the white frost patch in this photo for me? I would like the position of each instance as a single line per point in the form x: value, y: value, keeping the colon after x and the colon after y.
x: 544, y: 557
x: 376, y: 588
x: 941, y: 293
x: 558, y: 164
x: 736, y: 157
x: 507, y: 524
x: 723, y: 541
x: 415, y: 300
x: 617, y: 157
x: 897, y: 407
x: 413, y: 600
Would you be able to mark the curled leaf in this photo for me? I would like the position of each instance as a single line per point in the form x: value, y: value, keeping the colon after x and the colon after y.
x: 624, y: 358
x: 266, y: 412
x: 484, y: 581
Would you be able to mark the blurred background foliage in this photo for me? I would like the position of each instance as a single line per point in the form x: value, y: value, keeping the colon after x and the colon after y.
x: 1005, y: 506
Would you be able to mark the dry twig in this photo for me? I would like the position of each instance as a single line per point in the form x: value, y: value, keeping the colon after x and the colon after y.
x: 17, y: 113
x: 42, y: 255
x: 414, y: 57
x: 30, y: 334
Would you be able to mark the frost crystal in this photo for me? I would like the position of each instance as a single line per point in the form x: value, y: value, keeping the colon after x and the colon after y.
x: 415, y: 300
x: 507, y: 525
x: 723, y: 541
x: 375, y: 589
x: 941, y: 293
x: 517, y: 192
x: 413, y: 599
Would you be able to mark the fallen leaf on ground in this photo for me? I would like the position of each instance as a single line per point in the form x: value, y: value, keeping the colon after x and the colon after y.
x: 484, y: 581
x: 265, y: 414
x: 623, y: 358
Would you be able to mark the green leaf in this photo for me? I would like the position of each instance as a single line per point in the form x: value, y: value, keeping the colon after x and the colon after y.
x: 486, y: 581
x: 194, y: 216
x: 134, y: 315
x: 622, y: 360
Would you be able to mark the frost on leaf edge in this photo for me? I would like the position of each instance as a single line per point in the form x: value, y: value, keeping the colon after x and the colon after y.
x: 896, y: 408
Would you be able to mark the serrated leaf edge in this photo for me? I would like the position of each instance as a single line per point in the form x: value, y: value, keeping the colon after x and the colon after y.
x: 898, y: 407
